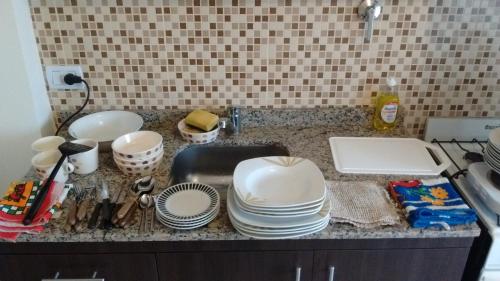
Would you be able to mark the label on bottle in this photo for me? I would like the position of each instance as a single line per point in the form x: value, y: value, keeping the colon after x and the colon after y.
x: 389, y: 112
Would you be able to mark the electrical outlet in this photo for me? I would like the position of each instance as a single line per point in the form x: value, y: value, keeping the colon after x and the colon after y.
x: 55, y: 76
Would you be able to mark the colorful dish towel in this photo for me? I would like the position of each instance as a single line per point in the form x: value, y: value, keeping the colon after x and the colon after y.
x: 431, y: 202
x: 18, y: 197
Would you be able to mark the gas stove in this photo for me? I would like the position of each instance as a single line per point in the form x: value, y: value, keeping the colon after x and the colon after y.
x: 464, y: 141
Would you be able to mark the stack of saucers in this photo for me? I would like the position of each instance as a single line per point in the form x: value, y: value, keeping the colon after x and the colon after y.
x: 138, y: 153
x: 492, y: 153
x: 278, y: 197
x: 187, y: 206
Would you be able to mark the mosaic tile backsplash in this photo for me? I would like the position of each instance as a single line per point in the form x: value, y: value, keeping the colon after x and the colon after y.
x: 153, y: 54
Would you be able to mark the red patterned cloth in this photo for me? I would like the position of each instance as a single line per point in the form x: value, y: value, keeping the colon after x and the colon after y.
x: 18, y: 199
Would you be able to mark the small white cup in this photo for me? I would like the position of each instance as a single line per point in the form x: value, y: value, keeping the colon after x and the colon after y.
x: 44, y: 162
x: 88, y: 161
x: 47, y: 143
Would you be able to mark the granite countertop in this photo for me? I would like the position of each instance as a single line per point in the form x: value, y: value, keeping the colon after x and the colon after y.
x: 304, y: 135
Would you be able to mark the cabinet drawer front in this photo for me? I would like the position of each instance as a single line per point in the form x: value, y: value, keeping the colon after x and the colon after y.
x: 231, y: 266
x: 110, y: 267
x: 390, y: 265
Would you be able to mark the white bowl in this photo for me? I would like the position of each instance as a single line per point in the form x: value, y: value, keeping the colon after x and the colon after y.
x: 137, y: 162
x: 105, y: 126
x: 138, y: 145
x: 143, y: 170
x: 194, y: 135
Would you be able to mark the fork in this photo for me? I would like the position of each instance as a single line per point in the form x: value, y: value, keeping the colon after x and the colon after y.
x: 72, y: 209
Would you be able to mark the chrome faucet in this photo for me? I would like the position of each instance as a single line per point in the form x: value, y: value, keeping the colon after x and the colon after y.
x: 232, y: 123
x: 234, y: 115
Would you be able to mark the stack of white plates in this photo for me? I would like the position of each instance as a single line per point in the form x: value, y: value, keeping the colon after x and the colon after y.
x: 278, y: 197
x: 492, y: 153
x: 187, y: 206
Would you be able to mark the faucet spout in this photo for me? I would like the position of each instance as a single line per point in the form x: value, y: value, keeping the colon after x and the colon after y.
x: 234, y: 115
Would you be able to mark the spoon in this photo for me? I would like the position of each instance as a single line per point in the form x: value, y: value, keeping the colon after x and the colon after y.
x: 147, y: 201
x: 143, y: 204
x: 152, y: 203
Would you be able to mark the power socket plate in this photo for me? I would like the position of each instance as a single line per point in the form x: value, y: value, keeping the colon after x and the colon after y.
x: 55, y: 76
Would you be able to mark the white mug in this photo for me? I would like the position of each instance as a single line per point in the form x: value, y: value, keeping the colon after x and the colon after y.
x: 88, y: 161
x: 44, y: 162
x: 47, y: 143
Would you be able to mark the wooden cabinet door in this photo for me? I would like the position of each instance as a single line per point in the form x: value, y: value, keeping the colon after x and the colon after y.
x: 390, y: 265
x: 111, y: 267
x: 236, y: 266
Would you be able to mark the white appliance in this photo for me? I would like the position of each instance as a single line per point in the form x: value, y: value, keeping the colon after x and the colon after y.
x: 464, y: 140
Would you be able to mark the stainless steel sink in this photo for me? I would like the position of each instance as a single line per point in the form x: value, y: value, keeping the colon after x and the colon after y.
x: 214, y: 165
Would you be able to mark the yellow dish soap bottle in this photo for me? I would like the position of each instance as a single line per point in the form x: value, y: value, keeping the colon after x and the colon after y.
x: 386, y: 107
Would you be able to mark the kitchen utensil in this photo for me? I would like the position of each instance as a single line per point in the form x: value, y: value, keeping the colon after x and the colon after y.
x: 82, y: 209
x: 96, y: 213
x: 138, y: 145
x: 85, y: 162
x: 44, y: 163
x: 129, y: 217
x: 106, y: 126
x: 140, y: 186
x: 47, y: 143
x: 143, y: 204
x: 106, y: 207
x: 151, y: 205
x: 114, y: 202
x: 197, y: 136
x: 144, y: 185
x: 70, y: 219
x: 66, y: 149
x: 83, y: 206
x: 277, y: 182
x: 92, y: 223
x: 394, y: 156
x: 146, y: 201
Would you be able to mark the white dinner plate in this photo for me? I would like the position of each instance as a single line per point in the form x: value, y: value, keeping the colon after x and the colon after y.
x: 277, y: 213
x: 279, y: 222
x: 187, y: 201
x: 264, y: 230
x: 281, y: 236
x: 278, y: 181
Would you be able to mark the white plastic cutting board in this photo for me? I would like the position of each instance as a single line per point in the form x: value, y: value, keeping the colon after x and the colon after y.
x: 388, y: 156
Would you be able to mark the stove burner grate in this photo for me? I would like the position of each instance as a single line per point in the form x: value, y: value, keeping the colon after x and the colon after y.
x: 473, y: 157
x: 495, y: 179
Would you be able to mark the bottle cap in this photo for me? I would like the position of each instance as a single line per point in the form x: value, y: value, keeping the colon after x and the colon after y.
x: 391, y: 82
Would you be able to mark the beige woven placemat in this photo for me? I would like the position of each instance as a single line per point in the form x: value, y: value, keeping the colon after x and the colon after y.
x: 363, y: 204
